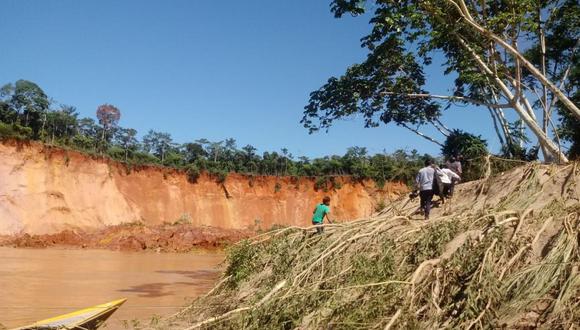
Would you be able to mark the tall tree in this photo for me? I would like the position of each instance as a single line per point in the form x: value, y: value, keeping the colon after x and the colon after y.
x: 557, y: 52
x: 7, y: 113
x: 30, y: 103
x: 108, y: 116
x: 158, y: 143
x: 485, y: 45
x: 62, y: 124
x: 126, y: 138
x: 193, y: 151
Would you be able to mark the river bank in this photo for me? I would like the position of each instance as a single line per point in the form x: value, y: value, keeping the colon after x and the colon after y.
x: 133, y: 237
x: 46, y: 190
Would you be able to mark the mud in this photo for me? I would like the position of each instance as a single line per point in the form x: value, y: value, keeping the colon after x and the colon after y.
x: 160, y: 238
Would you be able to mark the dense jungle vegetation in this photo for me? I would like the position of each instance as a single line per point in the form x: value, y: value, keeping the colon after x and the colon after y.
x: 27, y: 113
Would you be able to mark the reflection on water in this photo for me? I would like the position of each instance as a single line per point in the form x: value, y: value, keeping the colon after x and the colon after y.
x: 37, y: 284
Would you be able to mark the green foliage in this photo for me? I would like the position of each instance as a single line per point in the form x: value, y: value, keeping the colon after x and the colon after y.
x: 389, y: 86
x: 116, y: 152
x: 562, y: 48
x: 144, y: 158
x: 471, y: 149
x: 374, y: 267
x: 240, y: 259
x: 15, y: 131
x: 29, y: 102
x: 381, y: 205
x: 193, y: 173
x: 430, y: 244
x: 219, y: 175
x: 321, y: 183
x: 61, y: 126
x: 570, y: 131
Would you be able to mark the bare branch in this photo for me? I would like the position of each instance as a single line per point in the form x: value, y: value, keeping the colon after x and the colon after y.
x: 530, y: 122
x: 442, y: 125
x: 421, y: 134
x: 452, y: 99
x: 533, y: 70
x: 440, y: 129
x: 556, y: 134
x: 495, y: 126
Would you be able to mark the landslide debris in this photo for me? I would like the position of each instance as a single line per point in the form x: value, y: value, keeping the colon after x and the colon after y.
x: 133, y: 237
x: 504, y: 253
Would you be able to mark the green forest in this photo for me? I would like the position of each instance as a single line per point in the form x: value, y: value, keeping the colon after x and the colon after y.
x: 27, y: 113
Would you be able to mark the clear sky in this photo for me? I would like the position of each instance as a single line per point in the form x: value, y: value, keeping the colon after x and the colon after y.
x: 205, y: 69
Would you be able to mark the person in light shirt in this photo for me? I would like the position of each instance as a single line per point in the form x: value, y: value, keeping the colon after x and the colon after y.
x: 449, y: 178
x: 424, y: 183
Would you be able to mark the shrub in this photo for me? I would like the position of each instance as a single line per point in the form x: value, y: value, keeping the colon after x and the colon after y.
x: 193, y: 173
x: 471, y: 148
x: 240, y: 260
x: 321, y: 183
x: 15, y: 131
x: 380, y: 205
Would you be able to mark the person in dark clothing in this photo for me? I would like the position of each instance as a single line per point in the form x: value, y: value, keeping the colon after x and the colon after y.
x: 424, y: 182
x: 455, y: 165
x: 438, y: 185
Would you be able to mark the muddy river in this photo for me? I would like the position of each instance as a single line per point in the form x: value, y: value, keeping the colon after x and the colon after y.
x: 36, y: 284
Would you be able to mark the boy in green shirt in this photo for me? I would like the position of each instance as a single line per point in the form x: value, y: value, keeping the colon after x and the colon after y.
x: 321, y: 211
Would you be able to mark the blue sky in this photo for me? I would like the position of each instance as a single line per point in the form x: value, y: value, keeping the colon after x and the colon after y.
x: 205, y: 69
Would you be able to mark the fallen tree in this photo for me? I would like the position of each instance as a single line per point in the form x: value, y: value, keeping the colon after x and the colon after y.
x: 504, y: 253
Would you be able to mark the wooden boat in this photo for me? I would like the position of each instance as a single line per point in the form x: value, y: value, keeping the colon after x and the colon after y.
x: 85, y: 319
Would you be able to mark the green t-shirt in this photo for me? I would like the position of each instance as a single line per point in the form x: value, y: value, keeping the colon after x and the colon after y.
x: 319, y: 213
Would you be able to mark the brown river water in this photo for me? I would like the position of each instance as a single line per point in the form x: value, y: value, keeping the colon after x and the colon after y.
x: 36, y: 284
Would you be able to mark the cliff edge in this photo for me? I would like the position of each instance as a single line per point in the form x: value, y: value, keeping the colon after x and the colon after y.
x: 46, y: 190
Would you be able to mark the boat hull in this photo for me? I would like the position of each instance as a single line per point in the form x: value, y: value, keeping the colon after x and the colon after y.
x: 85, y: 319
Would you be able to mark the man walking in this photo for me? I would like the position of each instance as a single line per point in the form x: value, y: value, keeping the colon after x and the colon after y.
x: 424, y: 183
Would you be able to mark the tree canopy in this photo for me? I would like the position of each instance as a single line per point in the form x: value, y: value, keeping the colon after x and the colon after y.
x: 60, y: 125
x: 505, y: 55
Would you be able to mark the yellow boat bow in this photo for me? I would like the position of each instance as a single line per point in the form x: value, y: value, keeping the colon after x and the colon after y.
x: 85, y: 319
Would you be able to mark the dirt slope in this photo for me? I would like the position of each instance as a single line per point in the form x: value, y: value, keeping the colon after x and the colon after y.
x: 46, y: 190
x: 503, y: 253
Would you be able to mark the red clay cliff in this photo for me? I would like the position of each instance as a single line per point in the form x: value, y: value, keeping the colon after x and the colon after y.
x: 46, y: 190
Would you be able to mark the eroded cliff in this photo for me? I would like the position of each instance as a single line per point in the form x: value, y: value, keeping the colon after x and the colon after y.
x: 47, y: 190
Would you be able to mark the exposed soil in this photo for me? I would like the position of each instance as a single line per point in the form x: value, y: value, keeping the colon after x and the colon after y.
x: 45, y: 190
x: 161, y: 238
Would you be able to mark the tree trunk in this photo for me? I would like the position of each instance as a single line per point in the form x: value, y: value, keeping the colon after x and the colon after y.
x: 496, y: 128
x: 551, y: 147
x: 464, y: 12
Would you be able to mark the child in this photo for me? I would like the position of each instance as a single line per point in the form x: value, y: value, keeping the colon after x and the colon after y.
x: 321, y: 211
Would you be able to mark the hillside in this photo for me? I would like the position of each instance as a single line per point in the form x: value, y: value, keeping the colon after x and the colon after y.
x: 504, y: 253
x: 47, y: 190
